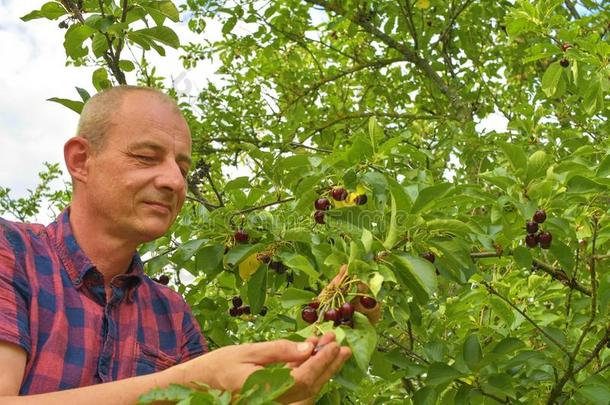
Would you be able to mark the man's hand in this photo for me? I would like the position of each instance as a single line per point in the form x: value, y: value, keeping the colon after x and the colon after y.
x: 228, y: 368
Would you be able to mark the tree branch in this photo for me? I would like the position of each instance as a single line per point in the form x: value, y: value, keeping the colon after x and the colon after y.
x: 558, y: 274
x: 358, y: 115
x: 572, y: 9
x: 530, y: 320
x: 409, y: 54
x: 260, y: 207
x: 300, y: 145
x: 376, y: 64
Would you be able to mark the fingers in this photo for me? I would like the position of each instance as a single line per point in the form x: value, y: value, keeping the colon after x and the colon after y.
x: 277, y: 351
x: 313, y: 339
x: 311, y: 376
x: 343, y: 355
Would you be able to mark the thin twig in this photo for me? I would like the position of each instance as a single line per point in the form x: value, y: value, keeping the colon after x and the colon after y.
x: 260, y: 207
x: 530, y: 320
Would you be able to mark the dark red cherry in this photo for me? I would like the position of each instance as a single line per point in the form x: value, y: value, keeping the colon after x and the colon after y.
x: 318, y: 216
x: 309, y: 315
x: 322, y: 204
x: 368, y: 302
x: 331, y: 315
x: 339, y: 193
x: 539, y: 216
x: 531, y: 226
x: 531, y: 240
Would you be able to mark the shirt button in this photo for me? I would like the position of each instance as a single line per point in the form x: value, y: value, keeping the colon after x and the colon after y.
x: 78, y: 280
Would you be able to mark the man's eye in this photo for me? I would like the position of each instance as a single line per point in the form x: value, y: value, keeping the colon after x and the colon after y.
x: 143, y: 158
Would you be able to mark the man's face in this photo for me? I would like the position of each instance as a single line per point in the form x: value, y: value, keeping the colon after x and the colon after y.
x: 136, y: 184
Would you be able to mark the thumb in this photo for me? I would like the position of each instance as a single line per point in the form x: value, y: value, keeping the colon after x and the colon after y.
x: 278, y: 351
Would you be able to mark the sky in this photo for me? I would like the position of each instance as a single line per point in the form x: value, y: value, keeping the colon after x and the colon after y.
x: 33, y: 130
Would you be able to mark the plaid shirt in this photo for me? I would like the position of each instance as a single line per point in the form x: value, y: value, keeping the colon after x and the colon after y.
x: 53, y: 305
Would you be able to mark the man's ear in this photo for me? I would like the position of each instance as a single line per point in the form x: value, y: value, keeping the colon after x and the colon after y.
x: 77, y: 152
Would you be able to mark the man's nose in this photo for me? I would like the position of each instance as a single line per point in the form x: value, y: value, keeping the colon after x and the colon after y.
x: 171, y: 177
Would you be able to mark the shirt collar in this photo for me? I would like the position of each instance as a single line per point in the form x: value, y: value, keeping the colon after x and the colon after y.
x: 76, y: 262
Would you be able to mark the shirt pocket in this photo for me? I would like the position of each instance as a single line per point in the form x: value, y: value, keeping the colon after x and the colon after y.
x: 150, y: 360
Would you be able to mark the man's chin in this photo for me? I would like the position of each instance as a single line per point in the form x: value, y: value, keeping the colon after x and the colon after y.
x: 153, y: 231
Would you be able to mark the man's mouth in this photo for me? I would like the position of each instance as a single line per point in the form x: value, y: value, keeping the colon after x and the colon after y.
x: 161, y: 207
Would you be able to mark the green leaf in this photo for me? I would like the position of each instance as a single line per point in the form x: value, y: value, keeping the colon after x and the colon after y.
x: 265, y: 385
x: 84, y: 94
x: 415, y: 273
x: 126, y: 65
x: 367, y: 240
x: 362, y: 339
x: 583, y: 185
x: 441, y: 373
x: 428, y: 195
x: 551, y: 78
x: 51, y: 10
x: 229, y: 25
x: 76, y: 106
x: 185, y: 251
x: 100, y: 79
x: 293, y: 297
x: 507, y: 346
x: 239, y: 252
x: 99, y: 45
x: 502, y: 309
x: 536, y: 165
x: 209, y: 259
x: 596, y: 393
x: 472, y: 352
x: 257, y: 289
x: 593, y: 98
x: 392, y: 235
x: 563, y: 254
x: 375, y: 132
x: 603, y: 170
x: 523, y: 257
x: 500, y: 384
x: 515, y: 155
x: 238, y: 183
x: 163, y: 8
x: 448, y: 227
x: 73, y: 42
x: 174, y: 393
x: 302, y: 263
x: 162, y: 34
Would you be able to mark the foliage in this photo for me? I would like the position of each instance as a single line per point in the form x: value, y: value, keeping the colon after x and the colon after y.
x: 395, y: 100
x: 25, y: 208
x: 261, y: 388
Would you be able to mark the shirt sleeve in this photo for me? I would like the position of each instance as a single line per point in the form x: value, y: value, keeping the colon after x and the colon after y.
x: 194, y: 344
x: 14, y: 289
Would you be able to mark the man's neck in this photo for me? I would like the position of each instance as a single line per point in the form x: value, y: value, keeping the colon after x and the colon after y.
x: 110, y: 254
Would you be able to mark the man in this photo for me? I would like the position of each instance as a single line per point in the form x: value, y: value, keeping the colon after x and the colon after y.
x: 79, y: 320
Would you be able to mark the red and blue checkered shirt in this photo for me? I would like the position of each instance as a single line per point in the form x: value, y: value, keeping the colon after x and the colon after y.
x: 53, y: 305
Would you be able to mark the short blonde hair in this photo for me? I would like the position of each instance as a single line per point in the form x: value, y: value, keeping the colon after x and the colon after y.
x: 96, y: 117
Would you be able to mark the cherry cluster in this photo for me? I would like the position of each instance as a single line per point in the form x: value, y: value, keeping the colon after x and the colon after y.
x: 338, y: 194
x: 535, y: 238
x: 240, y: 309
x: 342, y: 316
x: 276, y: 265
